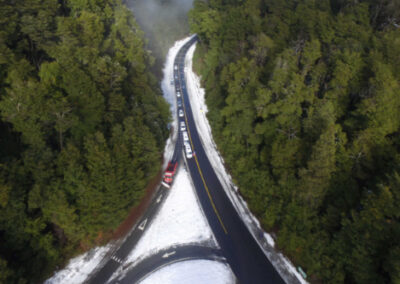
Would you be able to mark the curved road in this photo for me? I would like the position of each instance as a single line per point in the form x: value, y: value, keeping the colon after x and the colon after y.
x: 166, y: 257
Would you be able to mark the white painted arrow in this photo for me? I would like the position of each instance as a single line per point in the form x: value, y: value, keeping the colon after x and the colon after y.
x: 143, y: 225
x: 165, y: 255
x: 159, y: 198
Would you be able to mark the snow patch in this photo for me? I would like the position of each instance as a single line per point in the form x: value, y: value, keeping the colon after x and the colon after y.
x: 269, y: 239
x: 193, y: 272
x: 79, y: 268
x: 180, y: 221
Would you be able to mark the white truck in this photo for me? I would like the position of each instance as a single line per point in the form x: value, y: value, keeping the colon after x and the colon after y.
x: 188, y: 150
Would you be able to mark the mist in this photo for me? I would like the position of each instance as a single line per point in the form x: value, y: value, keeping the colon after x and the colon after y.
x: 164, y: 22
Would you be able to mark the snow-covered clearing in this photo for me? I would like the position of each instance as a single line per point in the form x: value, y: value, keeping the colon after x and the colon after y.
x: 265, y: 240
x: 79, y: 267
x: 180, y: 221
x: 193, y: 272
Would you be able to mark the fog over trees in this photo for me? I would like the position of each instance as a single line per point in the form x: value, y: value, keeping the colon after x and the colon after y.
x: 164, y: 22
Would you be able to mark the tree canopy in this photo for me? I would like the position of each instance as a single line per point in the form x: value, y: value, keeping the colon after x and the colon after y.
x: 82, y: 127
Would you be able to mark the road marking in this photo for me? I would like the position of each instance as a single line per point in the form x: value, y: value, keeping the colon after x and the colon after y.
x: 200, y: 172
x: 166, y: 255
x: 143, y: 225
x: 159, y: 198
x: 116, y: 259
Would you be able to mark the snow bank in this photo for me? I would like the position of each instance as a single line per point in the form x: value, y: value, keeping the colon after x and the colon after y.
x: 180, y: 221
x: 79, y: 267
x: 193, y: 272
x: 265, y: 240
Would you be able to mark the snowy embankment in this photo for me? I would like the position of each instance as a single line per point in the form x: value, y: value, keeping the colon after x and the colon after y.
x: 179, y: 222
x: 79, y: 268
x: 265, y: 240
x: 193, y: 272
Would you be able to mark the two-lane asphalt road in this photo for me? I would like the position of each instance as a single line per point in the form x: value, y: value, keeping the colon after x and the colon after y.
x: 246, y: 258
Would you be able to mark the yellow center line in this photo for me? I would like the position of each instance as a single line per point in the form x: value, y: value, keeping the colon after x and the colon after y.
x: 198, y: 166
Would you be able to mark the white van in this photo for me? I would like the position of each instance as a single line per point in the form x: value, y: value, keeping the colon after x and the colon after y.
x: 188, y: 150
x: 183, y: 126
x: 185, y: 136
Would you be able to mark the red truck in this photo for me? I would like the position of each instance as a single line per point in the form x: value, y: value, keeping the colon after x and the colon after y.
x: 169, y: 173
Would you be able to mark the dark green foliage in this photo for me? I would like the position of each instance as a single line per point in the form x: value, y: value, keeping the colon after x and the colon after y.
x: 304, y: 105
x: 82, y: 129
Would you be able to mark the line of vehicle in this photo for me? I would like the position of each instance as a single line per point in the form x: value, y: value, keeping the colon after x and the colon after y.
x: 198, y: 166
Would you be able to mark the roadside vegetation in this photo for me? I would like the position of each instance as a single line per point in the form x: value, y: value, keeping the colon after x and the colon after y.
x: 304, y: 104
x: 82, y: 128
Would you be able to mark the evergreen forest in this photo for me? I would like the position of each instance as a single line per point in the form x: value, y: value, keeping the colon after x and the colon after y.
x: 304, y: 103
x: 82, y: 128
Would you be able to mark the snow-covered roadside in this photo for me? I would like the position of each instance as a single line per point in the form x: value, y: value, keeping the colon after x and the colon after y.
x: 265, y: 240
x: 193, y: 272
x: 180, y: 221
x: 80, y: 267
